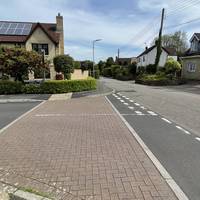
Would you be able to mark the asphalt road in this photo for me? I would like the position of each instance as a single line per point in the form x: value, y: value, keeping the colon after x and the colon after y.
x: 177, y: 147
x: 10, y: 111
x: 180, y: 104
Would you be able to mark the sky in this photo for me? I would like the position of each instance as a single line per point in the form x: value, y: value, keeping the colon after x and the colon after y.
x: 129, y: 25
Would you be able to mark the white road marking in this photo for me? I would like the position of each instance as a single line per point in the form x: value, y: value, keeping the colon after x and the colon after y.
x: 182, y: 129
x: 142, y: 107
x: 124, y: 96
x: 126, y: 104
x: 122, y: 101
x: 152, y: 113
x: 137, y: 104
x: 197, y: 138
x: 127, y: 98
x: 139, y: 113
x: 132, y: 108
x: 131, y: 101
x: 166, y: 120
x: 118, y: 98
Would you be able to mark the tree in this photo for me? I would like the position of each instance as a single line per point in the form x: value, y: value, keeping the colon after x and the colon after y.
x: 64, y: 64
x: 172, y: 66
x: 132, y: 68
x: 77, y: 65
x: 177, y: 40
x: 110, y: 62
x: 101, y: 65
x: 18, y: 63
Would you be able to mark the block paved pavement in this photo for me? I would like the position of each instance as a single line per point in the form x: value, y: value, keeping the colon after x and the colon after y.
x: 79, y: 149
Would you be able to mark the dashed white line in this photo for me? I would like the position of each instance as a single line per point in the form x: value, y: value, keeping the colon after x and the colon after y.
x: 131, y: 101
x: 127, y: 98
x: 124, y: 96
x: 118, y: 98
x: 142, y: 107
x: 182, y: 129
x: 197, y: 138
x: 122, y: 101
x: 166, y: 120
x: 152, y: 113
x: 132, y: 108
x: 139, y: 113
x: 137, y: 104
x: 126, y: 104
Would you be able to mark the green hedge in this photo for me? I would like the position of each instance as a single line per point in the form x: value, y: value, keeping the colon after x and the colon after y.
x: 157, y: 80
x: 10, y: 87
x: 48, y: 87
x: 64, y: 86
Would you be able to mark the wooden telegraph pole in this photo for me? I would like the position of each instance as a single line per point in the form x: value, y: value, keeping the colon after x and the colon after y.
x: 159, y: 41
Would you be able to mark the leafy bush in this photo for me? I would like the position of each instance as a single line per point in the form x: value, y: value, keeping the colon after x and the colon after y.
x: 64, y: 64
x: 132, y: 68
x: 107, y: 72
x: 31, y: 89
x: 141, y: 70
x: 151, y: 69
x: 10, y: 87
x: 65, y: 86
x: 97, y: 74
x: 115, y: 69
x: 172, y: 66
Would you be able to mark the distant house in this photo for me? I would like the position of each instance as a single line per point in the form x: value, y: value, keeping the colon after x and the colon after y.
x: 149, y: 55
x: 125, y: 61
x: 191, y: 59
x: 41, y: 37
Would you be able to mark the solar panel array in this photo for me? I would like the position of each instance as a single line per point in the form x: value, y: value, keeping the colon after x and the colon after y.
x: 14, y: 28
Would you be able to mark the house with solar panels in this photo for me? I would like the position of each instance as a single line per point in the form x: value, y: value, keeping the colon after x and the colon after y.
x: 41, y: 37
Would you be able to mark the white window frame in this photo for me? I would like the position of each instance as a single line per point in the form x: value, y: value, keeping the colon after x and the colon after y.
x: 191, y: 67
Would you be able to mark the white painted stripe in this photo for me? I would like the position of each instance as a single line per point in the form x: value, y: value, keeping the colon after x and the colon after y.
x: 173, y: 185
x: 132, y: 108
x: 197, y: 138
x: 22, y: 116
x: 182, y: 129
x: 127, y: 98
x: 124, y: 96
x: 152, y: 113
x: 122, y: 101
x: 131, y: 101
x: 137, y: 104
x: 142, y: 107
x: 126, y: 104
x: 139, y: 113
x: 118, y: 98
x: 166, y: 120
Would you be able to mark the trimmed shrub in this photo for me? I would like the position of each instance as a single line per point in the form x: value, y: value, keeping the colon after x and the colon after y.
x: 97, y: 74
x: 31, y: 89
x: 65, y: 86
x: 172, y: 66
x: 10, y: 87
x: 107, y: 72
x: 115, y: 69
x: 151, y: 69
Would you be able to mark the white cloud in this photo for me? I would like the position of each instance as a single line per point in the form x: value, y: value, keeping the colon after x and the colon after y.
x: 82, y: 25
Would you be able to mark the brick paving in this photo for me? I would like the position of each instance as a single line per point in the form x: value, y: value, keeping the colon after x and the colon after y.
x: 79, y: 149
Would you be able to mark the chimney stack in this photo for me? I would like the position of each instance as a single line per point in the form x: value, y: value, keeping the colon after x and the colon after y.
x: 60, y: 30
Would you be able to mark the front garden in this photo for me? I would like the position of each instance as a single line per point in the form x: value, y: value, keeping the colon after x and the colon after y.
x: 167, y: 75
x: 17, y: 63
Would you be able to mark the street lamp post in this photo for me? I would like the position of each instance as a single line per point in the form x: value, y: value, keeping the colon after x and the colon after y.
x: 93, y: 45
x: 43, y: 57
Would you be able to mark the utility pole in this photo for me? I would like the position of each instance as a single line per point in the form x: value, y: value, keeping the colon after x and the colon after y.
x: 118, y: 53
x: 159, y: 41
